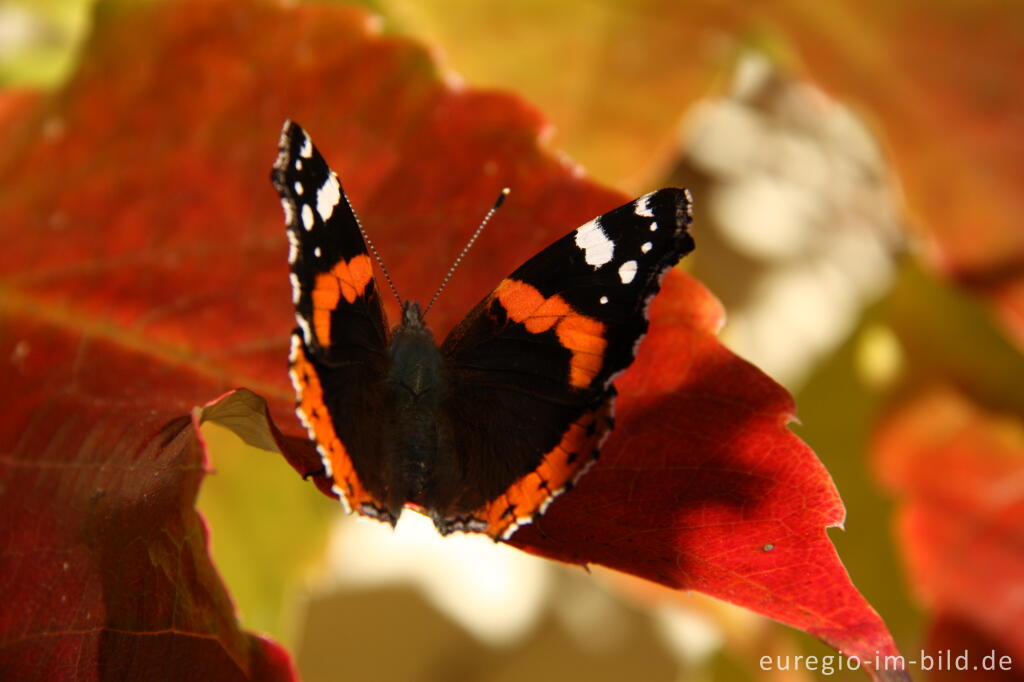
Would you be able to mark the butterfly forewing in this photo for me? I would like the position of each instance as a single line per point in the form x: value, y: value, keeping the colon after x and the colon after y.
x: 339, y: 351
x: 337, y: 303
x: 533, y: 362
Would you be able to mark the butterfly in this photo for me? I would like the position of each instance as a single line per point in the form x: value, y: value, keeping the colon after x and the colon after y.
x: 483, y: 431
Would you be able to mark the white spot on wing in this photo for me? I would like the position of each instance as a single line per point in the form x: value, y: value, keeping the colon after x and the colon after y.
x: 293, y: 247
x: 296, y: 288
x: 627, y: 271
x: 645, y: 247
x: 306, y: 151
x: 604, y: 299
x: 307, y: 334
x: 298, y: 164
x: 289, y: 211
x: 328, y: 470
x: 327, y: 197
x: 643, y: 206
x: 598, y: 248
x: 298, y: 188
x: 307, y: 217
x: 293, y: 357
x: 336, y: 489
x: 317, y: 251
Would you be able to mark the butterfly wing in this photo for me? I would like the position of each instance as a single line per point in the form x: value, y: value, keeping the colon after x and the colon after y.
x: 339, y: 350
x: 531, y: 396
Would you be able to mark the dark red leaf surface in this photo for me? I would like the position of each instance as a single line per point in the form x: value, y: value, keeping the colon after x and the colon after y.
x: 104, y: 559
x: 956, y: 470
x: 144, y: 272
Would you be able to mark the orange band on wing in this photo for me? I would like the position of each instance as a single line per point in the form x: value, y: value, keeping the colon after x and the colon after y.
x: 528, y: 496
x: 348, y: 280
x: 583, y: 336
x: 313, y: 413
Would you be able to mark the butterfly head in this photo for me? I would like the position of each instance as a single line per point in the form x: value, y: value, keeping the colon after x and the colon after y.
x: 412, y: 316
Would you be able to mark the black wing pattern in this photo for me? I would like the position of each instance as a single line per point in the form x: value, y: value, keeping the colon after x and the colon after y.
x: 339, y: 351
x: 531, y: 396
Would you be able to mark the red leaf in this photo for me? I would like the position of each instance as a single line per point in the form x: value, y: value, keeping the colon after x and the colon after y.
x: 701, y: 486
x: 957, y: 471
x: 105, y: 564
x: 145, y: 245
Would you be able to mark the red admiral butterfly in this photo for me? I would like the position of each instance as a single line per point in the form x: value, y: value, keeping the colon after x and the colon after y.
x: 484, y: 431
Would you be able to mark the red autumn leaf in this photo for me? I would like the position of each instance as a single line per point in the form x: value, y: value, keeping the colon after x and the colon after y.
x: 956, y: 470
x: 701, y: 486
x: 144, y: 242
x: 105, y: 564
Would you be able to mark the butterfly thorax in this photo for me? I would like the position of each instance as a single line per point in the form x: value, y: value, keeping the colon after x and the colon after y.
x: 417, y: 386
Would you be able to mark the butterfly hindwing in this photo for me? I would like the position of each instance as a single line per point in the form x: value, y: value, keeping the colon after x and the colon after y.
x: 532, y: 397
x: 339, y: 351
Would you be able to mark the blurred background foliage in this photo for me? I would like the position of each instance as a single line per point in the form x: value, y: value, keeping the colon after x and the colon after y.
x: 856, y: 168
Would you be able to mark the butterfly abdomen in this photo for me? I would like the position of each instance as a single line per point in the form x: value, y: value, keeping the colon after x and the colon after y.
x: 416, y: 384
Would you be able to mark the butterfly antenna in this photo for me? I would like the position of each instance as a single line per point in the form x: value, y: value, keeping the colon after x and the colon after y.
x: 376, y: 255
x: 483, y: 223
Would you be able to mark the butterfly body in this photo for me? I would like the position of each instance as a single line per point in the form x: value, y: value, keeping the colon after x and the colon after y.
x: 482, y: 431
x: 420, y: 445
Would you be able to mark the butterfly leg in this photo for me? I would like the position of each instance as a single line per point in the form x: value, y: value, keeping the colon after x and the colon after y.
x: 322, y: 471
